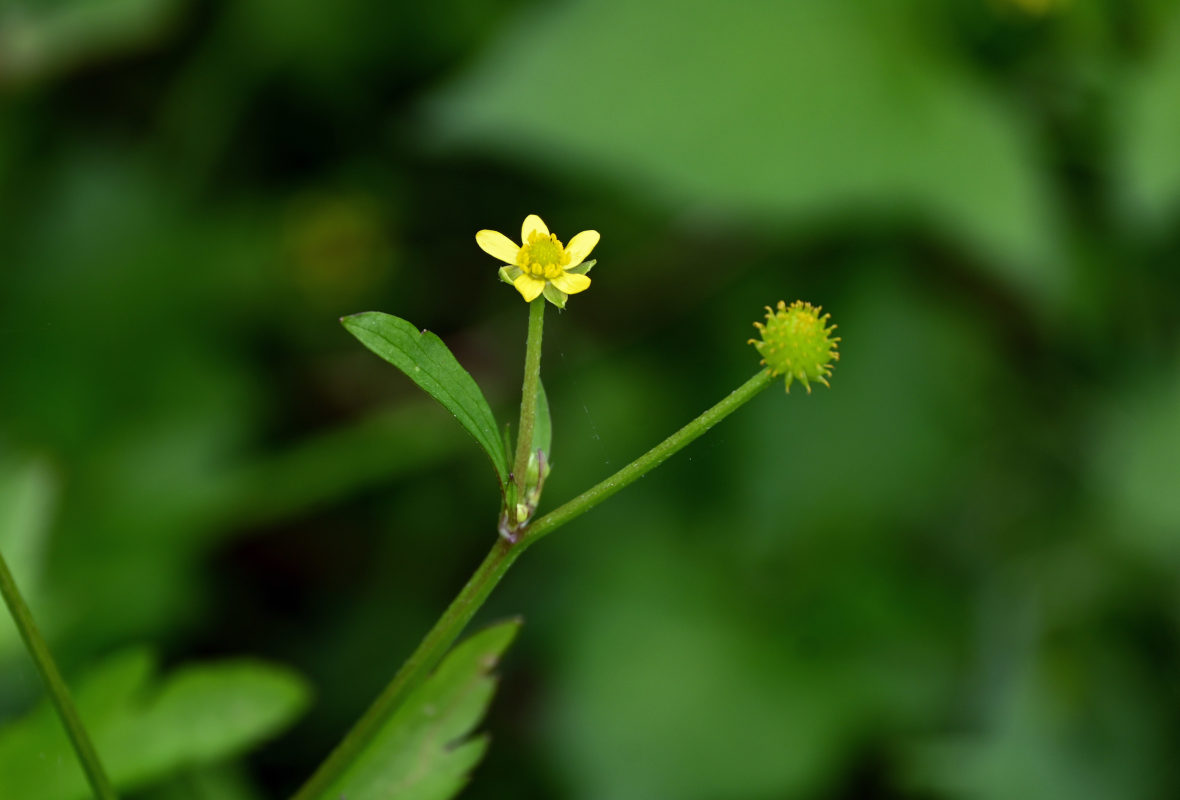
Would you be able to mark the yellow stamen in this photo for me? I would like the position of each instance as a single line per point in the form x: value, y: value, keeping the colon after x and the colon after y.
x: 543, y: 256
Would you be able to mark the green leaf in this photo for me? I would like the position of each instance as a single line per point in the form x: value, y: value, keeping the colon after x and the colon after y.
x: 428, y: 363
x: 143, y: 732
x: 542, y: 424
x: 1149, y: 130
x: 538, y: 469
x: 583, y: 268
x: 423, y: 752
x: 46, y: 38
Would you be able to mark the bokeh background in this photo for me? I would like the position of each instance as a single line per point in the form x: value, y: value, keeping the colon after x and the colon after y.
x: 953, y: 575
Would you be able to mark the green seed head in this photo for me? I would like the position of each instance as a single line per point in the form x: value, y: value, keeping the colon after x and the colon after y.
x: 796, y: 343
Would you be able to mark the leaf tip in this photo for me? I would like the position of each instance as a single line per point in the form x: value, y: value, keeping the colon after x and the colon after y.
x: 495, y: 639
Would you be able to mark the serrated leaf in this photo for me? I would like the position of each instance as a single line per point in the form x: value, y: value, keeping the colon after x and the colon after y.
x: 428, y: 362
x: 198, y: 715
x: 423, y: 752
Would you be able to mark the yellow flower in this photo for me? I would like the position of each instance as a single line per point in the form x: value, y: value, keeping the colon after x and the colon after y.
x: 541, y: 263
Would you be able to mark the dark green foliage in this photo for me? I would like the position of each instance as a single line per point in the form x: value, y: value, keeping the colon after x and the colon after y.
x: 950, y: 576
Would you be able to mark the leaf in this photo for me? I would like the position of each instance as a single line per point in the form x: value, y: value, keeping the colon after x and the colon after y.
x: 542, y: 423
x: 1135, y: 464
x: 1149, y: 130
x: 46, y: 38
x: 143, y: 732
x: 423, y: 752
x: 428, y: 363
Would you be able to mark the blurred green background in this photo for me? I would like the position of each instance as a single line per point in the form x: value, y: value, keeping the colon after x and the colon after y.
x: 953, y: 575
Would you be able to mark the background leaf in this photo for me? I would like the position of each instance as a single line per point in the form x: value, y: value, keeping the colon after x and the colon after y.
x: 38, y: 39
x: 794, y: 143
x: 423, y: 752
x: 143, y: 732
x: 428, y: 362
x: 246, y: 479
x: 26, y: 498
x: 1150, y: 157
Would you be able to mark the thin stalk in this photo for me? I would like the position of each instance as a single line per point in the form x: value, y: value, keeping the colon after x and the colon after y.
x: 414, y: 671
x: 444, y: 633
x: 528, y: 399
x: 649, y: 460
x: 59, y: 693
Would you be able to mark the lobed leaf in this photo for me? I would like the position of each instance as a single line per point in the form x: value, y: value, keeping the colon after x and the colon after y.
x: 198, y: 715
x: 423, y: 752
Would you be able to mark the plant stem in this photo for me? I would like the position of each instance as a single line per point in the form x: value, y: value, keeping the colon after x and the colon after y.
x: 528, y: 400
x: 59, y: 693
x: 503, y: 554
x: 415, y: 670
x: 649, y: 460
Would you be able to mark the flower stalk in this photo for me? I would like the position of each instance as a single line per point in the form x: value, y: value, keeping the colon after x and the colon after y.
x: 795, y: 342
x: 496, y: 564
x: 414, y: 671
x: 649, y: 460
x: 517, y: 515
x: 59, y: 693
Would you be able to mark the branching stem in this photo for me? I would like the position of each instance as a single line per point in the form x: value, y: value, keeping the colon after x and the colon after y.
x: 444, y: 633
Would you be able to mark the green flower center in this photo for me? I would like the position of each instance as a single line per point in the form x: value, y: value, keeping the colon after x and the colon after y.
x: 543, y: 256
x: 797, y: 343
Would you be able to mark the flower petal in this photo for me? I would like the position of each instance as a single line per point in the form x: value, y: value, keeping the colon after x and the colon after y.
x: 571, y: 283
x: 580, y: 247
x: 529, y: 287
x: 532, y: 224
x: 497, y: 244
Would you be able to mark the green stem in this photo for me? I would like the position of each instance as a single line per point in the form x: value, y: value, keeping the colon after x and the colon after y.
x: 528, y: 400
x: 649, y: 460
x: 415, y: 670
x: 59, y: 693
x: 444, y: 633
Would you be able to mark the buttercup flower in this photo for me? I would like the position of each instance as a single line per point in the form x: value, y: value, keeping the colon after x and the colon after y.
x: 541, y: 263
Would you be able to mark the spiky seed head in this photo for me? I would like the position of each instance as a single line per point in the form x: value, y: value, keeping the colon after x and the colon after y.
x: 798, y: 343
